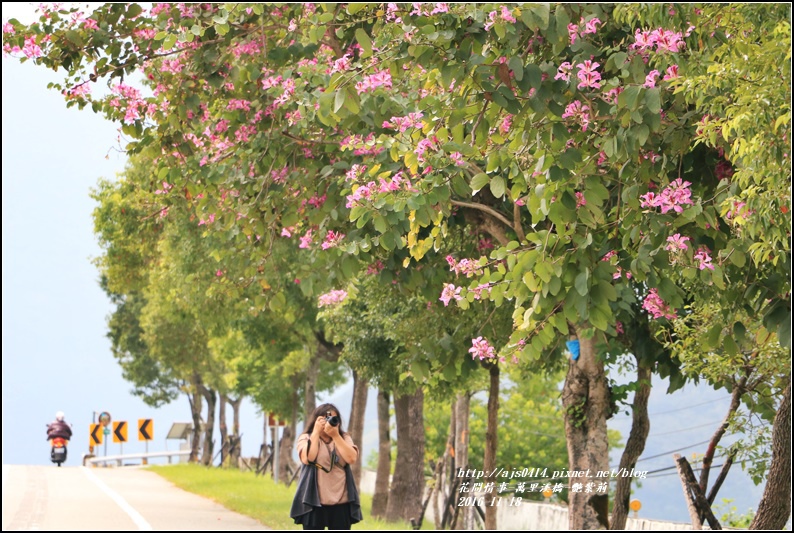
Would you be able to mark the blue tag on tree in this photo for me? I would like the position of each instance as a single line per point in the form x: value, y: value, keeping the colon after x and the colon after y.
x: 573, y: 347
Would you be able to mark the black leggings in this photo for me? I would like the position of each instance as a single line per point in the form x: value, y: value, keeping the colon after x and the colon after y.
x: 330, y: 516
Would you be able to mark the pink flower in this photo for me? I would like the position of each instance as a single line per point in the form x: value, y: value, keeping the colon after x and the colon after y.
x: 219, y: 273
x: 588, y: 76
x: 650, y: 79
x: 411, y: 120
x: 703, y: 258
x: 671, y: 73
x: 564, y: 71
x: 370, y: 83
x: 306, y: 240
x: 619, y: 327
x: 482, y: 349
x: 8, y: 28
x: 90, y: 24
x: 573, y: 32
x: 342, y: 64
x: 657, y: 307
x: 31, y: 49
x: 578, y: 112
x: 580, y: 201
x: 677, y: 242
x: 332, y: 239
x: 592, y: 25
x: 286, y: 232
x: 457, y: 158
x: 331, y: 298
x: 506, y: 124
x: 450, y: 292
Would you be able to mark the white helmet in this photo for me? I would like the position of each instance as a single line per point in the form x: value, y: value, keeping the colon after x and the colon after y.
x: 59, y: 416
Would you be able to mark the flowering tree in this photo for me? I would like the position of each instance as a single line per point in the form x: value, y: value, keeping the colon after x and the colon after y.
x: 567, y: 133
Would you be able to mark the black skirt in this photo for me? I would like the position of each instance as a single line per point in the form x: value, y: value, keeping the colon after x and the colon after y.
x: 337, y: 517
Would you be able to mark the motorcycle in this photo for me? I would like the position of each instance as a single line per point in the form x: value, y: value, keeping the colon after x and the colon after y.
x: 58, y: 451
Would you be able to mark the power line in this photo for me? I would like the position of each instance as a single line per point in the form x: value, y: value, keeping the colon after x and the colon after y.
x: 685, y: 429
x: 683, y: 408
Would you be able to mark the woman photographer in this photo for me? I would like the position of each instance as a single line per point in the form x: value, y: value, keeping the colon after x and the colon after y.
x: 327, y: 494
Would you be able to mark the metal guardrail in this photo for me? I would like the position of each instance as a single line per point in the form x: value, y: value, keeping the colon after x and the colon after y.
x: 119, y: 459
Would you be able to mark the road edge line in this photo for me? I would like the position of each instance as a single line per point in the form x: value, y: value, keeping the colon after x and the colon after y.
x: 136, y: 517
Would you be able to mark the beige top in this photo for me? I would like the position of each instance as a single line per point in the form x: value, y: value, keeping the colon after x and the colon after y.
x: 332, y: 485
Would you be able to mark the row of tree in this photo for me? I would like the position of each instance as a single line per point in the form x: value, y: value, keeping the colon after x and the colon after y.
x: 607, y: 174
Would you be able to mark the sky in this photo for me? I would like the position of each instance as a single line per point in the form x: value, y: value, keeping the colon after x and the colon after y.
x: 56, y: 356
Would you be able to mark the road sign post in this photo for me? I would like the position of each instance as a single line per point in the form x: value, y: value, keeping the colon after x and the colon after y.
x: 145, y: 433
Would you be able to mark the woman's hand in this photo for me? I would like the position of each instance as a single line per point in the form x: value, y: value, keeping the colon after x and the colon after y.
x: 331, y: 431
x: 319, y: 426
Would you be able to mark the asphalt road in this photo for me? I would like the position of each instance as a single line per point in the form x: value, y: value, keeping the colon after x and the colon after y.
x: 47, y: 498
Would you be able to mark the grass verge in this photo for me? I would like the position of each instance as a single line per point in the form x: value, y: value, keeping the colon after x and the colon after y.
x: 255, y: 496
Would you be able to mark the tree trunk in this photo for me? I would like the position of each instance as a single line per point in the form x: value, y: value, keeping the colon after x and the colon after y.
x: 223, y: 428
x: 380, y: 499
x: 195, y: 412
x: 356, y: 424
x: 635, y: 445
x: 408, y: 483
x: 310, y: 386
x: 586, y: 399
x: 462, y: 406
x: 775, y: 506
x: 234, y: 452
x: 210, y: 397
x: 491, y: 445
x: 285, y: 461
x: 708, y: 457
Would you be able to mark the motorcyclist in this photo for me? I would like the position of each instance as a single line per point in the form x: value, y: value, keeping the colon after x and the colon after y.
x: 59, y: 428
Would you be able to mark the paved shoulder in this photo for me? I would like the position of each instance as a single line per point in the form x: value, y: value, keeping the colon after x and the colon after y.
x: 166, y: 507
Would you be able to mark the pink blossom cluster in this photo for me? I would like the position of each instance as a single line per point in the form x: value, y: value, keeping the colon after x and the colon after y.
x: 236, y: 103
x: 246, y: 48
x: 673, y: 197
x: 676, y: 242
x: 457, y: 158
x: 244, y: 133
x: 449, y: 293
x: 81, y: 90
x: 166, y: 188
x: 391, y: 13
x: 588, y: 76
x: 486, y: 243
x: 650, y: 79
x: 316, y: 201
x: 469, y: 267
x: 411, y: 120
x: 342, y: 64
x: 210, y: 219
x: 8, y: 28
x: 31, y: 49
x: 657, y: 307
x: 363, y: 192
x: 332, y: 239
x: 420, y: 9
x: 663, y: 40
x: 579, y: 113
x: 580, y: 199
x: 293, y: 117
x: 134, y: 101
x: 480, y: 289
x: 306, y: 240
x: 429, y: 143
x: 506, y: 124
x: 671, y: 73
x: 279, y: 176
x: 381, y: 78
x: 505, y: 15
x: 703, y: 258
x: 355, y: 172
x: 611, y: 96
x: 480, y: 347
x: 575, y: 30
x: 738, y: 209
x: 396, y: 183
x: 332, y: 298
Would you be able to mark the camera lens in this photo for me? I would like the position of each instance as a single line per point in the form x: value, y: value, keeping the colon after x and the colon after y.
x: 333, y: 420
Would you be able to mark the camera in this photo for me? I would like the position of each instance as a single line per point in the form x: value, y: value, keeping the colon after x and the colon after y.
x: 332, y: 419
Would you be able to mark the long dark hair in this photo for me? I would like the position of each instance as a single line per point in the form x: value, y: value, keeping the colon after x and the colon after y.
x: 321, y: 411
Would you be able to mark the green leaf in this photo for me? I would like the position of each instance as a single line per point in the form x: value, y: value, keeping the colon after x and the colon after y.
x: 479, y: 181
x: 498, y: 186
x: 581, y: 285
x: 533, y: 73
x: 365, y: 42
x: 653, y: 100
x: 169, y: 42
x: 355, y: 7
x: 628, y: 98
x: 730, y: 345
x: 738, y: 258
x: 641, y: 132
x: 517, y: 66
x: 339, y: 100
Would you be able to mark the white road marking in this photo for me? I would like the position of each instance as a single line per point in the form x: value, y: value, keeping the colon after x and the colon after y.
x: 139, y: 520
